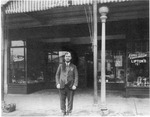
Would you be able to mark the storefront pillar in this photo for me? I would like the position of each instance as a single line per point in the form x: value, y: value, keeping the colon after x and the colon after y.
x: 4, y: 52
x: 95, y: 52
x: 103, y: 11
x: 3, y: 55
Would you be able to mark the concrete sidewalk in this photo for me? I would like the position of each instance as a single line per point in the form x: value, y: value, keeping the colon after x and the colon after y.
x: 46, y: 103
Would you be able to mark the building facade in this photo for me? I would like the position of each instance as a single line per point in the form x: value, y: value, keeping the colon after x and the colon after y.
x: 37, y: 34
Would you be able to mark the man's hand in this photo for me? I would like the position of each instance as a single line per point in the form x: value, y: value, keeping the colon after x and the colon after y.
x: 58, y: 86
x: 74, y: 87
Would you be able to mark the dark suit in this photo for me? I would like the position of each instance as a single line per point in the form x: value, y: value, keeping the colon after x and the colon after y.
x: 66, y: 76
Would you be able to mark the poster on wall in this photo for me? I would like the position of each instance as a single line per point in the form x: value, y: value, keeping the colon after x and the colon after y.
x: 118, y: 61
x: 108, y: 66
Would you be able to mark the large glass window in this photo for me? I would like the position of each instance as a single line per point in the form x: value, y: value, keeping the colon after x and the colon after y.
x: 114, y: 67
x: 138, y: 70
x: 138, y: 64
x: 17, y: 62
x: 119, y: 59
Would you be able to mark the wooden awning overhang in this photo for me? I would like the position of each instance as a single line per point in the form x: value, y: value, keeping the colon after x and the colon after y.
x: 39, y: 13
x: 21, y: 6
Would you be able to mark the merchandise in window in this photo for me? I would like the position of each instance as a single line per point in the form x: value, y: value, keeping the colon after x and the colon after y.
x: 138, y: 70
x: 119, y: 66
x: 138, y: 64
x: 114, y: 67
x: 17, y: 62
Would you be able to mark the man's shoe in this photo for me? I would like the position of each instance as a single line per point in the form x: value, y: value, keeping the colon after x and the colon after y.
x: 63, y: 113
x: 69, y: 114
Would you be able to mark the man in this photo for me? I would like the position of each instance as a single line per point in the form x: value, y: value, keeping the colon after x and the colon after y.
x: 66, y: 82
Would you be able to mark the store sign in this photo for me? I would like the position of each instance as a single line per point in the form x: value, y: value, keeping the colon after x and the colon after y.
x: 138, y: 61
x: 137, y: 55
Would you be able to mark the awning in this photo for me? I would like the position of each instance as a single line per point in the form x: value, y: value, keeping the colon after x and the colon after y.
x: 21, y: 6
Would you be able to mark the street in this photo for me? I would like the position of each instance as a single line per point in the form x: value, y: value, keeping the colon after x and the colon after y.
x: 46, y: 103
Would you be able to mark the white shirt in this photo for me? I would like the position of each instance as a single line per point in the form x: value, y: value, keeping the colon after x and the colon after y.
x: 67, y: 64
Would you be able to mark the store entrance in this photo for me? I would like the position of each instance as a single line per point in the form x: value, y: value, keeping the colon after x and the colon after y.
x: 55, y: 56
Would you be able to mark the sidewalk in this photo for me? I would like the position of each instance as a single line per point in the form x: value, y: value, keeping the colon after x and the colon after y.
x: 46, y: 103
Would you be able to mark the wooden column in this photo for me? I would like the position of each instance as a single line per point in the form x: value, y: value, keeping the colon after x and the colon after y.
x: 2, y: 53
x: 95, y: 51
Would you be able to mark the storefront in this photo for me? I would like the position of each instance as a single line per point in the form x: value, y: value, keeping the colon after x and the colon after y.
x: 115, y: 65
x: 35, y: 49
x: 137, y: 73
x: 33, y: 66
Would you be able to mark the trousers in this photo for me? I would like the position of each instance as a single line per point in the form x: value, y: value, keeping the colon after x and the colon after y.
x: 66, y: 93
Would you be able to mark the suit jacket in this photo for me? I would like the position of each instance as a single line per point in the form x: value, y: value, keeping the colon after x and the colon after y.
x: 67, y: 77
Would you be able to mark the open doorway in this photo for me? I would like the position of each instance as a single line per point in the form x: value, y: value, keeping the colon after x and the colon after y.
x: 55, y: 56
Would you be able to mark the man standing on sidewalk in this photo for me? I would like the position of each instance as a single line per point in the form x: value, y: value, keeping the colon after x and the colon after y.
x: 66, y: 82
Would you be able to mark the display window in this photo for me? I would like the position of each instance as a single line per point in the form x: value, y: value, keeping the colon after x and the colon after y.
x: 26, y: 63
x: 137, y: 72
x: 17, y: 62
x: 114, y: 67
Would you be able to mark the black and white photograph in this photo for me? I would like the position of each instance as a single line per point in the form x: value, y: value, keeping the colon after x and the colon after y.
x: 84, y: 58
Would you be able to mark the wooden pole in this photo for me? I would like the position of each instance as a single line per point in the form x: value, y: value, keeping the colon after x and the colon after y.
x: 2, y: 52
x: 95, y: 50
